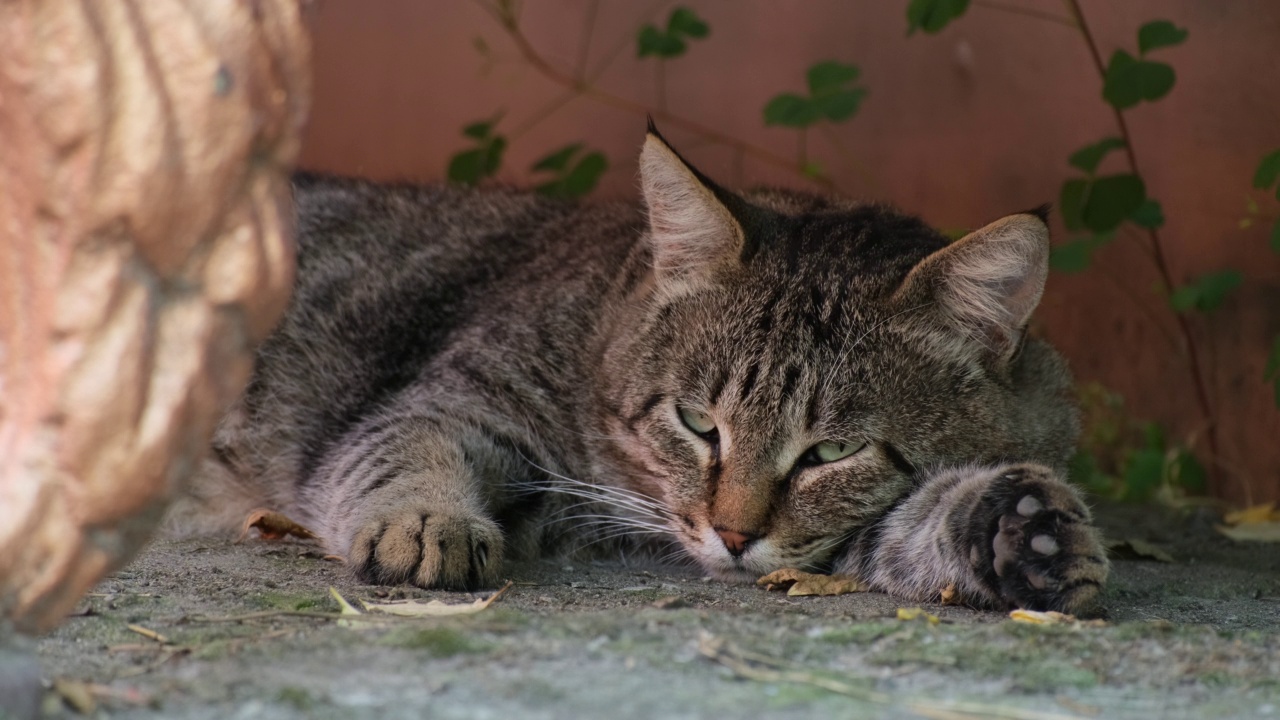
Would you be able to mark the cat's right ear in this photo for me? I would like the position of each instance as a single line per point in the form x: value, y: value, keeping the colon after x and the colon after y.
x: 691, y: 232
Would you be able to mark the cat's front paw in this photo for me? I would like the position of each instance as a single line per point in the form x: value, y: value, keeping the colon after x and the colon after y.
x: 429, y: 546
x: 1034, y: 545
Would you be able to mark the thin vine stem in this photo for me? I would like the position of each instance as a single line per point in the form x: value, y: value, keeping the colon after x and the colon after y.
x: 585, y: 88
x: 1158, y: 256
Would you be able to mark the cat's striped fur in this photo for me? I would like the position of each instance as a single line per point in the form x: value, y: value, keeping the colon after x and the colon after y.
x: 468, y: 374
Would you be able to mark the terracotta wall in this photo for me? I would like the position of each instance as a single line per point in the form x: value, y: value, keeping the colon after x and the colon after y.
x: 961, y: 128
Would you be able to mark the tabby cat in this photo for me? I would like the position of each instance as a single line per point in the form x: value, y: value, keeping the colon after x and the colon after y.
x: 763, y: 380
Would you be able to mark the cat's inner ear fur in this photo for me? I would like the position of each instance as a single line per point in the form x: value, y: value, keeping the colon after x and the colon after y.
x: 692, y: 234
x: 987, y: 283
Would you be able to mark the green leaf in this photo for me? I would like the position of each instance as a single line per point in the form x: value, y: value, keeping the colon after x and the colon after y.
x: 840, y: 106
x: 811, y: 170
x: 467, y: 167
x: 1071, y: 203
x: 557, y: 160
x: 1143, y: 473
x: 1158, y: 34
x: 478, y: 130
x: 831, y: 76
x: 1129, y: 81
x: 790, y: 110
x: 1088, y: 157
x: 1110, y: 200
x: 1072, y: 256
x: 685, y: 21
x: 933, y: 15
x: 1207, y: 292
x: 583, y: 177
x: 1275, y: 238
x: 1083, y: 470
x: 1187, y: 472
x: 1268, y: 171
x: 653, y: 41
x: 1149, y: 214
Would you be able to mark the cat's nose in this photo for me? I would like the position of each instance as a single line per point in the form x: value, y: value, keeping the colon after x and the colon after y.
x: 734, y: 541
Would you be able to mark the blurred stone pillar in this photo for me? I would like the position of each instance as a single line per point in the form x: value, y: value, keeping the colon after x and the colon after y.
x: 144, y: 249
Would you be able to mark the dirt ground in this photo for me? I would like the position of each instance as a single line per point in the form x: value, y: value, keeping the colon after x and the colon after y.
x: 1198, y: 637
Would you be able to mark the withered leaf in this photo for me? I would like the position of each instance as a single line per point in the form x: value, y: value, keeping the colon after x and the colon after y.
x: 799, y: 583
x: 435, y: 608
x: 1252, y: 532
x: 948, y: 596
x: 916, y: 613
x: 1051, y: 617
x: 272, y: 525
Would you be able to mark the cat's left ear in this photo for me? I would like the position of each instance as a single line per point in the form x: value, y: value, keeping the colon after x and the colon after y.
x: 987, y: 283
x: 693, y: 235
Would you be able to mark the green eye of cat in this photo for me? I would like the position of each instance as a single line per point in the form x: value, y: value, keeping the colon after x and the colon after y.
x: 831, y: 451
x: 699, y: 422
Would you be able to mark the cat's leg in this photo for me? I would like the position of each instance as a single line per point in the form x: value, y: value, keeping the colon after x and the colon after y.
x: 1011, y: 536
x: 409, y: 499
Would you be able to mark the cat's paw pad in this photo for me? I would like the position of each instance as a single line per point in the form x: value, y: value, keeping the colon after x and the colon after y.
x: 1034, y: 543
x: 428, y: 547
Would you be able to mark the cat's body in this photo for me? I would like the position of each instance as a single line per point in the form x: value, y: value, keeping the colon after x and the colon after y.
x: 782, y: 381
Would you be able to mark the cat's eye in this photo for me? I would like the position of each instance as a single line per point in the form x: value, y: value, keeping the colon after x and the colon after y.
x: 831, y: 451
x: 698, y: 422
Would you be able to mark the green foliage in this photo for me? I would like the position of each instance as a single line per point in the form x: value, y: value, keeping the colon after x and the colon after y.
x: 1074, y: 256
x: 1129, y: 80
x: 1275, y: 237
x: 1158, y: 34
x: 1126, y: 459
x: 571, y: 179
x: 482, y: 161
x: 832, y: 96
x: 1149, y: 215
x: 683, y: 25
x: 1272, y: 372
x: 933, y: 15
x: 1268, y: 172
x: 1207, y: 292
x: 1100, y: 204
x: 1088, y: 157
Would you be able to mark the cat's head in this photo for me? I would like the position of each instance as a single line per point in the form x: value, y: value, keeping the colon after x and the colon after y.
x: 796, y: 362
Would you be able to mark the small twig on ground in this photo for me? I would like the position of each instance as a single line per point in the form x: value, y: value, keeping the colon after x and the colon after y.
x: 147, y: 633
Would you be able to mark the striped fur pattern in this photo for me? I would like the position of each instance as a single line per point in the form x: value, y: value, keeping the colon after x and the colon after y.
x: 755, y: 381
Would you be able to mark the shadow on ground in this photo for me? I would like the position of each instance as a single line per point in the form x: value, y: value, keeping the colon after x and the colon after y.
x: 1199, y: 637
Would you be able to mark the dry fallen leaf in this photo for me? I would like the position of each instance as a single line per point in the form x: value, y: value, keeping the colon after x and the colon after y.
x: 1252, y: 532
x: 1035, y: 617
x: 917, y: 614
x: 672, y: 602
x: 272, y: 525
x: 1255, y: 514
x: 1050, y: 617
x: 1259, y: 523
x: 1134, y: 549
x: 948, y: 595
x: 799, y: 583
x: 434, y: 608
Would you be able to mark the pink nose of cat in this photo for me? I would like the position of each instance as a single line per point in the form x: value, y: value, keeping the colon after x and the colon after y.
x: 735, y: 542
